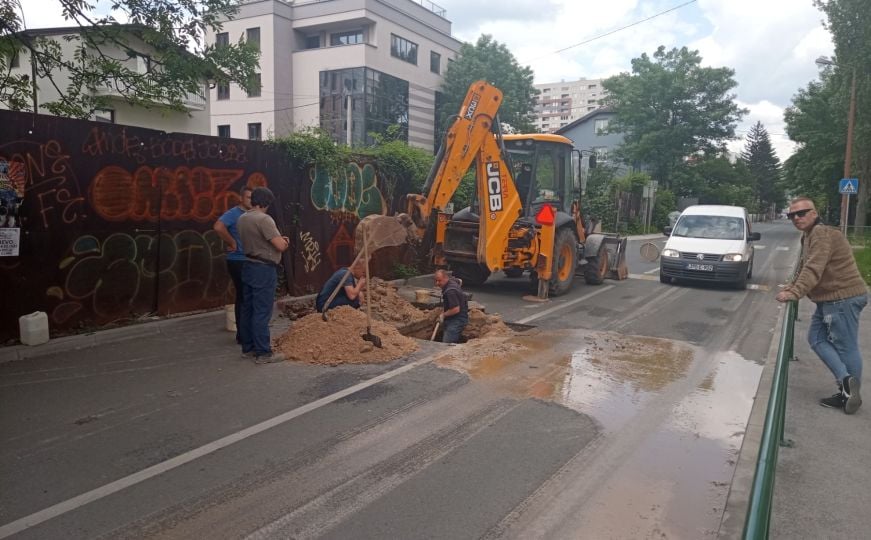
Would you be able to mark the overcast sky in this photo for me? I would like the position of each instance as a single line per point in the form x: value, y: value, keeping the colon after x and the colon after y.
x: 771, y: 44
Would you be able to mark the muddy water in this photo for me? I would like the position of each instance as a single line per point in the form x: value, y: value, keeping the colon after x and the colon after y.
x: 672, y: 416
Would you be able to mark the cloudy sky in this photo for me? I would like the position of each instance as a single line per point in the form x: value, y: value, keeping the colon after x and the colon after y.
x: 771, y: 44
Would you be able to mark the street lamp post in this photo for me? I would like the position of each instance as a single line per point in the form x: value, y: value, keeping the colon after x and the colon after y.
x: 848, y: 153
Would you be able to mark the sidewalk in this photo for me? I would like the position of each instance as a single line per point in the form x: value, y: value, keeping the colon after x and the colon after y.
x: 821, y: 483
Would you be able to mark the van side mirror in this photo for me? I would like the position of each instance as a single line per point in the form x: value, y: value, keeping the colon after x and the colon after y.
x: 755, y: 236
x: 667, y: 231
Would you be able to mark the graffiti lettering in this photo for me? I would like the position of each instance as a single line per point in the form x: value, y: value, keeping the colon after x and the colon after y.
x: 354, y: 195
x: 311, y: 251
x: 117, y: 276
x: 101, y: 142
x: 198, y: 193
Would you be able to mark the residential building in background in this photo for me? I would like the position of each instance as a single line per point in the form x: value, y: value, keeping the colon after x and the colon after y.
x: 559, y: 104
x: 589, y: 135
x: 351, y: 67
x: 193, y: 119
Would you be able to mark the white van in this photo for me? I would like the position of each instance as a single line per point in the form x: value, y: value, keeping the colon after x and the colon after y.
x: 709, y: 243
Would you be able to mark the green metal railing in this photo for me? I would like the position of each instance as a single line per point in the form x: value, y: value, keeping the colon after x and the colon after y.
x: 759, y: 509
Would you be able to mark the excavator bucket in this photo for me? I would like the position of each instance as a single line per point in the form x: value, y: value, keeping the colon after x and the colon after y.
x: 616, y: 248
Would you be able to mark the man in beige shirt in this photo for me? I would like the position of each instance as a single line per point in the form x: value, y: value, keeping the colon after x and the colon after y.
x: 263, y: 246
x: 830, y: 277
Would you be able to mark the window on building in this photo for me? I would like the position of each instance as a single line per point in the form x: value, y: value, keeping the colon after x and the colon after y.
x: 601, y: 126
x: 223, y: 90
x: 591, y: 109
x: 352, y: 37
x: 312, y: 42
x: 143, y: 64
x: 563, y: 117
x: 601, y: 153
x: 591, y: 86
x: 403, y: 49
x: 589, y: 101
x: 255, y: 86
x: 254, y: 132
x: 224, y: 131
x: 379, y: 102
x: 546, y: 90
x: 252, y: 36
x: 222, y: 39
x: 435, y: 62
x: 104, y: 115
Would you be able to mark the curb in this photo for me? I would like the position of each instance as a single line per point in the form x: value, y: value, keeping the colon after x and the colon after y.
x: 114, y: 335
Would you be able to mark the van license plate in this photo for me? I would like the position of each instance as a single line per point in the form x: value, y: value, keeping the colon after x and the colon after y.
x: 702, y: 267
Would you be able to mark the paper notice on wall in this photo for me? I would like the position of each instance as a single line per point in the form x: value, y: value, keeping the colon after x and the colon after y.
x: 9, y: 242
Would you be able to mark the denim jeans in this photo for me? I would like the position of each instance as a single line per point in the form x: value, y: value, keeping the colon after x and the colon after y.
x: 834, y: 335
x: 453, y: 328
x: 234, y: 268
x: 259, y: 282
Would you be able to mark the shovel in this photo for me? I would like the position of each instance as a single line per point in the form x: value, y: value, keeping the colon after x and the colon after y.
x: 435, y: 330
x: 368, y: 336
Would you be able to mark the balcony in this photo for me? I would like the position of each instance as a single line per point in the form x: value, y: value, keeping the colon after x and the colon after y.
x: 191, y: 102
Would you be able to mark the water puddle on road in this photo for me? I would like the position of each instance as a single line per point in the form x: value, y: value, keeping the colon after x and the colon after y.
x: 672, y: 415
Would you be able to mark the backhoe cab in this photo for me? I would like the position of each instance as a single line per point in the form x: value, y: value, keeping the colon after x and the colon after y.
x: 525, y: 216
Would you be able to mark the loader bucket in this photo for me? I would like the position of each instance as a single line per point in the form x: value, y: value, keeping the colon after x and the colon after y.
x: 616, y: 248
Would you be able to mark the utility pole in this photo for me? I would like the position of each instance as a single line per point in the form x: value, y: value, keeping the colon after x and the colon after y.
x: 848, y: 154
x: 348, y: 120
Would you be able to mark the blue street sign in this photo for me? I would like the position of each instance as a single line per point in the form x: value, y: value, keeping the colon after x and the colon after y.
x: 849, y: 186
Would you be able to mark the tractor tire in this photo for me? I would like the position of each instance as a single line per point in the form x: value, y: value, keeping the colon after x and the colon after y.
x: 470, y: 273
x: 565, y: 261
x: 597, y: 267
x: 513, y: 272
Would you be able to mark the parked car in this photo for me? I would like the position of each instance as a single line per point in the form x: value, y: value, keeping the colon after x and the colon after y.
x: 711, y: 243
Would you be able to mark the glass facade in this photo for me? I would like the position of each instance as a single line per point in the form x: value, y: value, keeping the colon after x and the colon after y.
x: 377, y: 101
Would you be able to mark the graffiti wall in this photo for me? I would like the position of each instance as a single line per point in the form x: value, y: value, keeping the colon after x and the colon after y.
x: 102, y: 224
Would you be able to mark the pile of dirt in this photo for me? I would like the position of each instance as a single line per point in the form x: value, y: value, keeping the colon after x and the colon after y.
x: 483, y: 325
x: 339, y: 340
x: 389, y: 306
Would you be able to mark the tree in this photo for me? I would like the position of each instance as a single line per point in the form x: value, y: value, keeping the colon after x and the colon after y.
x: 714, y: 180
x: 764, y: 169
x: 491, y: 61
x: 168, y: 33
x: 670, y: 108
x: 849, y: 22
x: 817, y: 123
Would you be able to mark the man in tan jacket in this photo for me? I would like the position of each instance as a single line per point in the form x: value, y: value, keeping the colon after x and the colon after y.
x: 830, y: 278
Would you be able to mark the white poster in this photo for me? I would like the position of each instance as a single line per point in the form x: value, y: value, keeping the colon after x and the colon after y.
x: 9, y: 241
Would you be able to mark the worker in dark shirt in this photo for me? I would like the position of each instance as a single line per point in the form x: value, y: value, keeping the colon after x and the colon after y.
x: 349, y: 294
x: 455, y: 309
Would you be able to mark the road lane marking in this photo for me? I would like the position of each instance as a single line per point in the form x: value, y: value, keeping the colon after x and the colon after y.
x: 782, y: 248
x: 757, y: 246
x: 78, y: 501
x: 750, y: 286
x: 652, y: 270
x: 562, y: 306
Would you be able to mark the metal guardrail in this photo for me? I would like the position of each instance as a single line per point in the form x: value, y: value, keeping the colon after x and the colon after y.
x: 758, y: 518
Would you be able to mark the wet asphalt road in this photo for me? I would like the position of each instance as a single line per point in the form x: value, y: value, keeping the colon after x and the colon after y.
x: 619, y: 416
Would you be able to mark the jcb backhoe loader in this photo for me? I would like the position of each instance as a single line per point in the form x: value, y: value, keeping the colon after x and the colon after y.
x: 526, y: 212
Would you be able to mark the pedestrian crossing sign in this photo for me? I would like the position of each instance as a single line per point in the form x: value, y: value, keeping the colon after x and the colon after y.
x: 849, y: 186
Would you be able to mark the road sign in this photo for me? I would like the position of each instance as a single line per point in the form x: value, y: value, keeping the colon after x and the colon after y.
x: 849, y: 186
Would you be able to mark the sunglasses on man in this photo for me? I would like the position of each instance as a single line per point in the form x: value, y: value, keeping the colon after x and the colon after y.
x: 798, y: 213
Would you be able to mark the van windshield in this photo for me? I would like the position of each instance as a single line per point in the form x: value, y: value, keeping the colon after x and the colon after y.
x: 713, y: 227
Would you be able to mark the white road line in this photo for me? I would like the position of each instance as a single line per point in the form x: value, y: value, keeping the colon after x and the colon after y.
x: 69, y: 505
x: 644, y: 277
x: 757, y: 246
x: 562, y: 306
x: 652, y: 270
x: 782, y: 248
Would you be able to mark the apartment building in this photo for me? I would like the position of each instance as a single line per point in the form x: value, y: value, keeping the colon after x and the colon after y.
x: 560, y: 104
x: 193, y: 119
x: 351, y: 67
